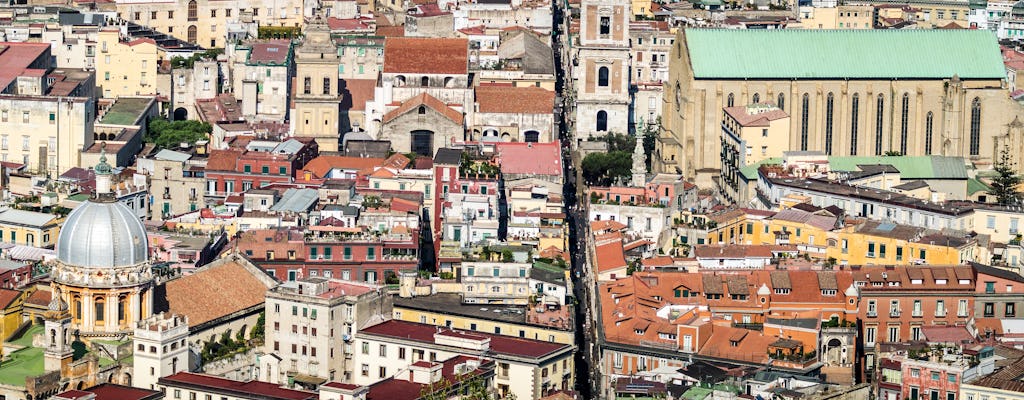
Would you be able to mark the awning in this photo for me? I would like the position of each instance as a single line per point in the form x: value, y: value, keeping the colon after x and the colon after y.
x: 312, y: 380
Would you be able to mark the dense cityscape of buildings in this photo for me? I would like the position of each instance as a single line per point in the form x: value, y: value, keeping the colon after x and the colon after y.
x: 508, y: 199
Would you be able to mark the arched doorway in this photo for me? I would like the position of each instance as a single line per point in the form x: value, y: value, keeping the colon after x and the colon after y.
x: 506, y: 137
x: 422, y: 142
x: 180, y: 114
x: 531, y: 136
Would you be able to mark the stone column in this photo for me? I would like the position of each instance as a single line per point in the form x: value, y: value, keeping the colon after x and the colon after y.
x: 88, y: 323
x: 110, y: 319
x: 135, y: 306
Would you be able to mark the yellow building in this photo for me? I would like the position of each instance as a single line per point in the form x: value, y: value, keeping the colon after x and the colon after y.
x: 841, y: 17
x: 11, y: 304
x: 317, y: 94
x: 205, y: 22
x: 862, y: 243
x: 29, y: 228
x: 927, y: 14
x: 447, y: 310
x: 125, y: 68
x: 642, y: 8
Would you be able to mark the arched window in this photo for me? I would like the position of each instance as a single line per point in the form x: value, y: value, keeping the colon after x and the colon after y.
x: 829, y: 111
x: 730, y: 101
x: 192, y: 35
x: 904, y: 122
x: 757, y: 98
x: 193, y: 13
x: 804, y: 114
x: 422, y: 110
x: 975, y: 126
x: 854, y: 114
x: 424, y: 81
x: 879, y: 110
x: 76, y: 307
x: 100, y: 308
x: 782, y: 101
x: 602, y: 77
x: 602, y: 121
x: 928, y: 134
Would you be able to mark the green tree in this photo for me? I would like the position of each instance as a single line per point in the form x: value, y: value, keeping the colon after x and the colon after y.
x: 602, y: 169
x: 619, y: 142
x: 258, y: 329
x: 506, y: 255
x: 1004, y: 185
x: 167, y: 134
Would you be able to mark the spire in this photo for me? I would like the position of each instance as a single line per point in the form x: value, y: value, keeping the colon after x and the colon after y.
x: 103, y: 173
x: 639, y: 161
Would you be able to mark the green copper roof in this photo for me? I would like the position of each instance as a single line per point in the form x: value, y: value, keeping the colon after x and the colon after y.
x: 975, y: 186
x: 839, y: 54
x: 750, y: 171
x: 910, y: 167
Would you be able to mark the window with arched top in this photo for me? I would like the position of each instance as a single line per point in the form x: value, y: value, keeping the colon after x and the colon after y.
x: 928, y: 122
x: 192, y: 33
x: 424, y: 81
x: 782, y: 101
x: 730, y: 101
x: 757, y: 98
x: 193, y: 10
x: 879, y: 111
x: 904, y: 122
x: 975, y: 127
x: 422, y: 110
x: 602, y: 77
x: 602, y: 121
x: 805, y: 105
x: 101, y: 306
x: 829, y: 114
x: 854, y: 117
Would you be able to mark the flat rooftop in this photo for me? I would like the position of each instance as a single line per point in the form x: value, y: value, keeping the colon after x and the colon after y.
x: 450, y: 303
x: 126, y: 110
x: 22, y: 363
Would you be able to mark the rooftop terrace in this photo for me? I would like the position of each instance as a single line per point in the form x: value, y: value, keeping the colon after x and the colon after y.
x: 126, y: 111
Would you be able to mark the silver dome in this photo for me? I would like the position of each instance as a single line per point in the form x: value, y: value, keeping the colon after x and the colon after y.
x: 102, y: 234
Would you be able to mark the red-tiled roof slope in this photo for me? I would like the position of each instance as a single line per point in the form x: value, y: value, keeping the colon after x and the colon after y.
x: 515, y: 100
x: 220, y: 288
x: 529, y: 158
x: 427, y: 100
x: 321, y: 165
x: 245, y: 389
x: 426, y: 55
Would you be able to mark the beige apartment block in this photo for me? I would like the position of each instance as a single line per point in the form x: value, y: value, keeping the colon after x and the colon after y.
x: 125, y: 68
x: 205, y: 22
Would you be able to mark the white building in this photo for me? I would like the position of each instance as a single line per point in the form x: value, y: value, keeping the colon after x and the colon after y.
x: 309, y: 323
x: 529, y: 369
x: 496, y: 283
x: 161, y: 349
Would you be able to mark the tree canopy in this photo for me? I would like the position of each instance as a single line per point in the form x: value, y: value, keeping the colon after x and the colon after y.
x: 1005, y: 184
x: 167, y: 134
x: 603, y: 169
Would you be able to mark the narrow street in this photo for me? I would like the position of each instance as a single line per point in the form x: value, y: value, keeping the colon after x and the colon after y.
x: 587, y: 359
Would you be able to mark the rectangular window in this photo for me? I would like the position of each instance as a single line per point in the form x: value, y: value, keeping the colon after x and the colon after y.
x: 606, y: 26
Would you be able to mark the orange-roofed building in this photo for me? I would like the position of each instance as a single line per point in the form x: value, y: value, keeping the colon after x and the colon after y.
x: 610, y: 257
x: 339, y: 167
x: 518, y: 114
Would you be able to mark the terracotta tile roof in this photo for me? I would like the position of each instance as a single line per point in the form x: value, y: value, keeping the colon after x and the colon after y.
x: 356, y: 92
x: 7, y: 296
x: 322, y: 165
x: 426, y: 56
x: 40, y: 297
x: 390, y: 31
x: 712, y: 284
x: 744, y: 118
x: 732, y: 251
x: 780, y: 280
x: 737, y: 344
x: 110, y: 391
x: 514, y: 100
x: 218, y: 289
x: 610, y: 256
x: 223, y: 160
x: 827, y: 280
x: 427, y: 100
x: 606, y: 226
x: 271, y: 51
x: 139, y: 41
x: 347, y: 24
x: 530, y: 158
x: 737, y: 284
